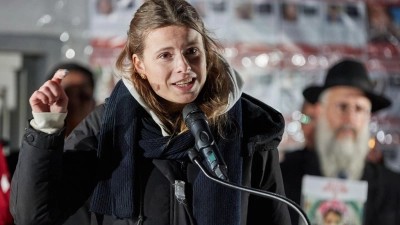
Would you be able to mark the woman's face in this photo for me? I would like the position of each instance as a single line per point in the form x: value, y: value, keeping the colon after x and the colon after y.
x: 174, y: 63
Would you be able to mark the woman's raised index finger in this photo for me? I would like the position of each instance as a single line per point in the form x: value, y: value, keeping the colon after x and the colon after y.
x: 59, y: 75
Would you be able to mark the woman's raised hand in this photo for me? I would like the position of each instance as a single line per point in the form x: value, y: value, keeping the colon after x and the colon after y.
x: 51, y: 96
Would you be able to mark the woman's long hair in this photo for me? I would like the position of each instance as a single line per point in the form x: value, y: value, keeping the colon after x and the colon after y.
x: 154, y: 14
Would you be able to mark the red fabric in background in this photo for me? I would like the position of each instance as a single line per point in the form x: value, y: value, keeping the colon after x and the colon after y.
x: 5, y: 184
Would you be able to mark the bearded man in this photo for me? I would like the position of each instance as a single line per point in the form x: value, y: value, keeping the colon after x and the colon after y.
x: 343, y: 107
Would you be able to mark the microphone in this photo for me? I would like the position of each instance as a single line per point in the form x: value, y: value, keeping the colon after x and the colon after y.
x: 196, y: 121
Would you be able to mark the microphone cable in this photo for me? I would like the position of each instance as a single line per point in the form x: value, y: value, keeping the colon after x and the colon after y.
x: 195, y: 158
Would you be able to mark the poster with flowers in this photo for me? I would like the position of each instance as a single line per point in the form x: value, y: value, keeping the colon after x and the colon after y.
x: 329, y: 201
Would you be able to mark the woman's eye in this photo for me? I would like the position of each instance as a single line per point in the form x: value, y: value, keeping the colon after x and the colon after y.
x: 192, y: 51
x: 165, y: 55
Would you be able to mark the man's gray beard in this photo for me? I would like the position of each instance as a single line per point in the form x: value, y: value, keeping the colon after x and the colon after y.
x: 346, y: 155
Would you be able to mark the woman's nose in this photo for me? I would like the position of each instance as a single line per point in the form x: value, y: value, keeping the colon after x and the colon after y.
x: 182, y: 64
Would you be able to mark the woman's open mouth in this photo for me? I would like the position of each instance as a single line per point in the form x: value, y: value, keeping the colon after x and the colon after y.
x: 185, y: 83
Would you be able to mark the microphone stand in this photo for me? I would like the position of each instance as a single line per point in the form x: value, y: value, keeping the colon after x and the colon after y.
x: 194, y: 157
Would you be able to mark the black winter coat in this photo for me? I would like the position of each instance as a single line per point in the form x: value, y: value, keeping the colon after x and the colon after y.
x: 53, y: 179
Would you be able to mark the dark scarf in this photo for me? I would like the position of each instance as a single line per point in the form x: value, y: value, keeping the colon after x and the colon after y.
x: 114, y: 194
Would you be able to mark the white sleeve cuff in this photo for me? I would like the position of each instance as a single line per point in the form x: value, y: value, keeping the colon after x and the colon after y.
x: 49, y: 123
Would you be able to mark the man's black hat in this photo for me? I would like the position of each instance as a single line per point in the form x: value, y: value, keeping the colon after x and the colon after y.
x: 348, y: 72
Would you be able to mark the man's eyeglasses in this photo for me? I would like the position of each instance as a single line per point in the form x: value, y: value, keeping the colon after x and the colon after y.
x: 343, y: 108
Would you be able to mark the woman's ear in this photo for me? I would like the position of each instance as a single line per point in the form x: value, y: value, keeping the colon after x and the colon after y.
x: 138, y: 64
